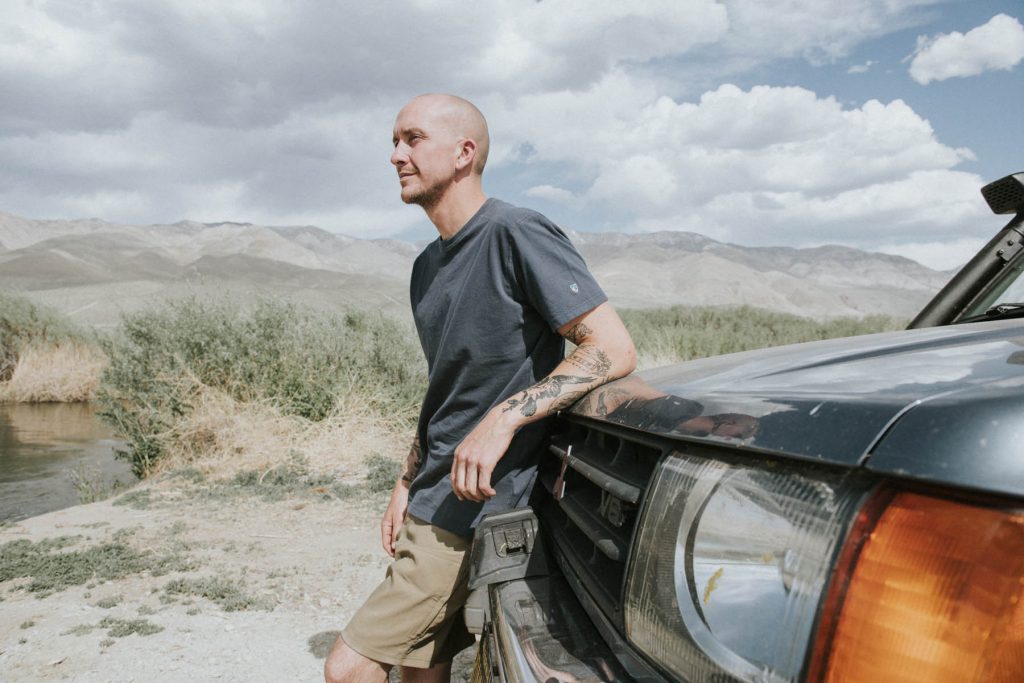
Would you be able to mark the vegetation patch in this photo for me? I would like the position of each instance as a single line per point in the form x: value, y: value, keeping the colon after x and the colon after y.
x: 43, y: 355
x: 302, y: 362
x: 139, y: 499
x: 80, y: 630
x: 230, y: 595
x: 90, y: 484
x: 187, y: 474
x: 381, y: 473
x: 679, y: 333
x: 121, y: 628
x: 110, y: 602
x: 50, y: 570
x: 291, y: 478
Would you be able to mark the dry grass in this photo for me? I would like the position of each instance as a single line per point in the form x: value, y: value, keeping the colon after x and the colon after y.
x: 221, y: 437
x: 61, y: 373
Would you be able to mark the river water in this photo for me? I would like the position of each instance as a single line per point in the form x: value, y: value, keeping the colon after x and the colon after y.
x: 44, y: 447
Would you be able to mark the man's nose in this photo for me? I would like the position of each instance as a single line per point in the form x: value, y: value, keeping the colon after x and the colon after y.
x: 399, y: 156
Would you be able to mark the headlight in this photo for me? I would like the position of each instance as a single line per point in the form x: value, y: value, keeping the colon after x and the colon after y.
x: 729, y: 566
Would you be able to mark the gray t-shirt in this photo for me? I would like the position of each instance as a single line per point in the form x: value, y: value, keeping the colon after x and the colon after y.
x: 488, y: 303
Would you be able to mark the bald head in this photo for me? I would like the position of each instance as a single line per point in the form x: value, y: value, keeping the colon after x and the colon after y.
x: 457, y: 117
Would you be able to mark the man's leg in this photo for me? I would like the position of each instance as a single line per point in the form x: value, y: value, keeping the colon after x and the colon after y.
x: 439, y: 673
x: 414, y: 617
x: 345, y: 665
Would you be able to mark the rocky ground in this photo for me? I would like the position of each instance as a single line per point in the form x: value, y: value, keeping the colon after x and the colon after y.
x: 183, y: 581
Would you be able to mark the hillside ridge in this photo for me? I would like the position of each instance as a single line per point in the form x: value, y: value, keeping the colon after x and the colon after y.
x: 97, y: 269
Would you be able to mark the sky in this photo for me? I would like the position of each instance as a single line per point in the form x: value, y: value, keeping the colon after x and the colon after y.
x: 867, y: 123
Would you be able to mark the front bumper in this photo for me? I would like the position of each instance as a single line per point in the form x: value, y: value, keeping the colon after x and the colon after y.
x: 540, y: 632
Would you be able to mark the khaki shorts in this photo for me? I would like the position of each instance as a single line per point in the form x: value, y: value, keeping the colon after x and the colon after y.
x: 414, y: 617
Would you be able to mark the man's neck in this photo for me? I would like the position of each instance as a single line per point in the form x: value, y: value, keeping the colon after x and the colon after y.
x: 454, y: 210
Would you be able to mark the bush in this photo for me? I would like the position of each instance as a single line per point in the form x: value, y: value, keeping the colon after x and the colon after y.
x: 25, y: 325
x: 381, y: 473
x: 303, y: 362
x: 680, y: 333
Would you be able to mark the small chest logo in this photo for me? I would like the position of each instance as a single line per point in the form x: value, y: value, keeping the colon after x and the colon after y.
x: 574, y: 288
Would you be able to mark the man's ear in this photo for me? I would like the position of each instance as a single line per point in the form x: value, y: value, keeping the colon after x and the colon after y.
x: 466, y: 154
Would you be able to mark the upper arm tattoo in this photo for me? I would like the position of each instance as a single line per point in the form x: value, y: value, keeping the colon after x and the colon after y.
x: 578, y: 333
x: 413, y: 461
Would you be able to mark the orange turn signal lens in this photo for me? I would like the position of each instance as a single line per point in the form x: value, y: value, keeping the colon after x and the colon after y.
x: 935, y: 596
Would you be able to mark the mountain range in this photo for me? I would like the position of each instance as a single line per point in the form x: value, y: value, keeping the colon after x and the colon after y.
x: 94, y: 270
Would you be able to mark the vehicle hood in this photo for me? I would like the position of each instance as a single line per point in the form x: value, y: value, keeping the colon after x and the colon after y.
x: 942, y: 404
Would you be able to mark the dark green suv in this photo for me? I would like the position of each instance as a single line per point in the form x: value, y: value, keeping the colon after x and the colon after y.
x: 847, y: 510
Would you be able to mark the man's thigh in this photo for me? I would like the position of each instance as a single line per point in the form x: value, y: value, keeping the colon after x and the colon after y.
x: 414, y: 617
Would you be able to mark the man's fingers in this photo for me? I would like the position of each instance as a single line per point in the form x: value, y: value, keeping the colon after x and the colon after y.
x: 459, y: 477
x: 484, y: 483
x: 395, y: 529
x: 387, y: 538
x: 471, y: 480
x: 471, y: 491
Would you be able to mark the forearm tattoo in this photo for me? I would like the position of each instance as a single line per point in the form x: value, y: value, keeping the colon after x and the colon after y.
x: 591, y: 360
x: 602, y: 402
x: 413, y: 461
x: 554, y: 386
x: 565, y: 389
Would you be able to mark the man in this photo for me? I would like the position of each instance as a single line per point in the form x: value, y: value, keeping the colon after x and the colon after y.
x: 493, y: 298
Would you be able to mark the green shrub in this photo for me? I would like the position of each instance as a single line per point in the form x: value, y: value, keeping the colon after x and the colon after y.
x: 23, y: 324
x: 682, y: 333
x: 302, y: 361
x: 229, y: 594
x: 52, y: 569
x: 381, y: 473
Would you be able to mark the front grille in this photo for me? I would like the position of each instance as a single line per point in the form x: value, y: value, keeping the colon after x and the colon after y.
x: 592, y: 484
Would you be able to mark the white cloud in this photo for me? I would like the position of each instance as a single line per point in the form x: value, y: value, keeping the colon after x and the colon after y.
x: 280, y: 112
x: 942, y: 204
x: 820, y: 30
x: 861, y: 68
x: 768, y: 165
x: 996, y: 45
x: 554, y: 194
x: 557, y: 44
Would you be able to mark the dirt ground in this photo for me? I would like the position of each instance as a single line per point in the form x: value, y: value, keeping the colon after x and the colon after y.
x: 233, y: 588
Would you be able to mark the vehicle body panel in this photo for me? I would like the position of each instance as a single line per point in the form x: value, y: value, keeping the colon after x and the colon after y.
x: 915, y: 403
x: 973, y: 438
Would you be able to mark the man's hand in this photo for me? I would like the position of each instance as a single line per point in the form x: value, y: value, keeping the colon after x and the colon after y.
x: 604, y: 351
x: 394, y: 517
x: 478, y: 453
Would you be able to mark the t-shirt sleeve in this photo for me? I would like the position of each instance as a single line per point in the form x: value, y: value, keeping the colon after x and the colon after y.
x: 551, y: 274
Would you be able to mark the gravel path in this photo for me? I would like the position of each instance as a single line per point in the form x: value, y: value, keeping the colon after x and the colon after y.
x: 224, y: 589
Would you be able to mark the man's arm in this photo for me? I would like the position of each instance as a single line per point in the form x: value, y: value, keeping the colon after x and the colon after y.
x: 604, y: 351
x: 394, y: 516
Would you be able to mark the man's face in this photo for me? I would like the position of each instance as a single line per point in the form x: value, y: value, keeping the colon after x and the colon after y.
x: 425, y: 152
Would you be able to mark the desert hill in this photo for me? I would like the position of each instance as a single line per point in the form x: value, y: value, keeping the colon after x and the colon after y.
x: 94, y: 270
